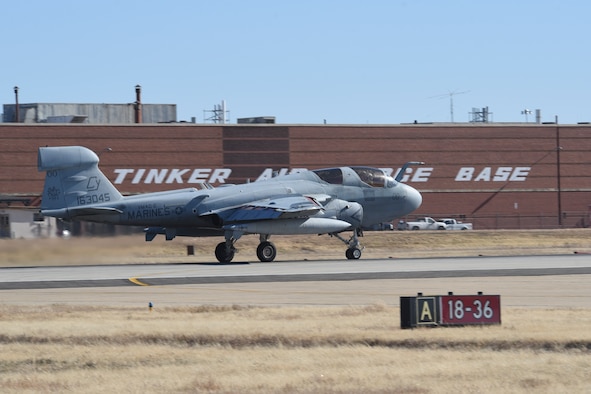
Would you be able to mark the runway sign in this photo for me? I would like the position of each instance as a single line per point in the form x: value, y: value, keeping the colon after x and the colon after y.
x: 450, y: 310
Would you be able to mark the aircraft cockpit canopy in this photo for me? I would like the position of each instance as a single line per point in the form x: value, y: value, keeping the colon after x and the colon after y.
x: 373, y: 177
x: 331, y: 175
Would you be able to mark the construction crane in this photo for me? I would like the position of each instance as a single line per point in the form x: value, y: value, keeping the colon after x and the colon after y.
x: 451, y: 101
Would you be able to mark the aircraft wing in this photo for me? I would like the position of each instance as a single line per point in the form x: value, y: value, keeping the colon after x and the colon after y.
x: 282, y: 207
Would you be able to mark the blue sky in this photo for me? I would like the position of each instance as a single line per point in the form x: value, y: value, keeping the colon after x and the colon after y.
x: 346, y: 62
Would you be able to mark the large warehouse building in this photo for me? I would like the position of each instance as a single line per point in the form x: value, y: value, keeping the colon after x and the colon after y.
x: 509, y: 176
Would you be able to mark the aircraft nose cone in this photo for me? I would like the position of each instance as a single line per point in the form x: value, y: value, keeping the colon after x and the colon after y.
x: 413, y: 199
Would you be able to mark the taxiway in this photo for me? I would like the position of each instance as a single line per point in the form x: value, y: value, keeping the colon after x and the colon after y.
x: 538, y: 281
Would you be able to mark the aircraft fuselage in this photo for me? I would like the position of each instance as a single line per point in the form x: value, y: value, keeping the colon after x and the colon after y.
x: 190, y: 207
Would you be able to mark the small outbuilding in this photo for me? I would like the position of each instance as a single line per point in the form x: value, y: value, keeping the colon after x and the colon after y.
x: 26, y: 223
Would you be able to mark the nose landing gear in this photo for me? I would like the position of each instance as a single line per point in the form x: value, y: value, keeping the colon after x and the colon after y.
x: 354, y: 248
x: 353, y: 253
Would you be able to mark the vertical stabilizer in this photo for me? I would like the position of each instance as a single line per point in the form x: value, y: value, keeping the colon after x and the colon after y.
x: 73, y: 180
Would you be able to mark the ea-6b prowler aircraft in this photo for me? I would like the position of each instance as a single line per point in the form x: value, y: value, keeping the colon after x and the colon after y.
x: 327, y: 201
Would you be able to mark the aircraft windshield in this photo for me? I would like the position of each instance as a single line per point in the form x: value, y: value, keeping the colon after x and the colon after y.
x: 372, y: 176
x: 331, y: 175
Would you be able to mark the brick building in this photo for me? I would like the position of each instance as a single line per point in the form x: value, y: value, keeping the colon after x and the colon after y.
x: 494, y: 175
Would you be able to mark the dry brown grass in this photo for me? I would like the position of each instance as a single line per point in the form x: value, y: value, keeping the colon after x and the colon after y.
x: 228, y: 349
x: 398, y: 244
x: 59, y: 348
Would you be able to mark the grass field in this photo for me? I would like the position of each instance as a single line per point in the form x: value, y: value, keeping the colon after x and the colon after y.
x: 303, y: 350
x: 241, y: 348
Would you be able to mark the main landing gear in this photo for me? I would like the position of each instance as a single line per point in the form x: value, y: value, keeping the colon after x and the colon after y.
x: 266, y: 251
x: 225, y: 251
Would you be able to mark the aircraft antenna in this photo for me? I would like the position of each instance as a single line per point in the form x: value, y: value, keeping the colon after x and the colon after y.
x: 451, y: 101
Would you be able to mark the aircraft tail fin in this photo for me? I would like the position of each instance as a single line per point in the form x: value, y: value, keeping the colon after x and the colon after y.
x: 73, y: 181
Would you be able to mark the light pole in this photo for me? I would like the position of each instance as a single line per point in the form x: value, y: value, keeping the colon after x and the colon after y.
x: 526, y: 112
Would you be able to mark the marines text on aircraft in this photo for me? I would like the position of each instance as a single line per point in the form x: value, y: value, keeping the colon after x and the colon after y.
x: 327, y: 201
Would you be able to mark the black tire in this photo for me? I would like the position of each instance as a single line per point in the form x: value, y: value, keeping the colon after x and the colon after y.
x: 415, y: 228
x: 222, y: 255
x: 266, y: 252
x: 353, y: 253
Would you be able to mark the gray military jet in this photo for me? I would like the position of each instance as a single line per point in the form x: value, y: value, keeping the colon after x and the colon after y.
x: 327, y: 201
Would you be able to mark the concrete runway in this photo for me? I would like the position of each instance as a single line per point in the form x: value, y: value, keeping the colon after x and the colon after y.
x: 522, y: 281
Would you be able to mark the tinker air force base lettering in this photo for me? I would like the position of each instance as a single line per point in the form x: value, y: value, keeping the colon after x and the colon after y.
x: 220, y: 175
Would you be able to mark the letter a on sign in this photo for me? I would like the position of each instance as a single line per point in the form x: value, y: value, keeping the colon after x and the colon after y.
x: 426, y: 310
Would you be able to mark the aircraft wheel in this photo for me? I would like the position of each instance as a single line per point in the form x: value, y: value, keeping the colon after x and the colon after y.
x: 266, y: 252
x: 222, y: 255
x: 353, y: 253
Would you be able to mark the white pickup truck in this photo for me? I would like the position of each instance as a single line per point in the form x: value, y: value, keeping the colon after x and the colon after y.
x: 425, y: 223
x: 453, y: 224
